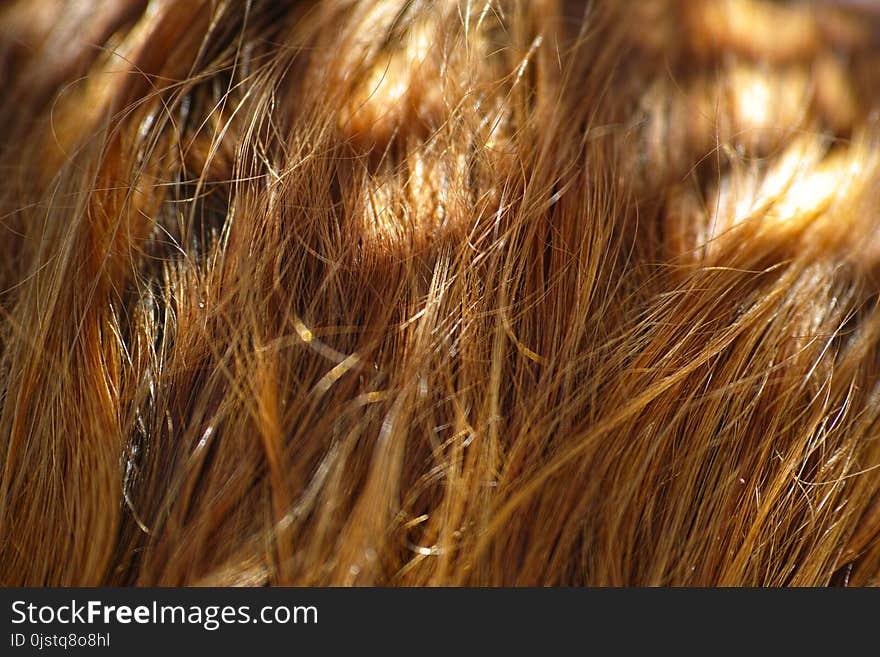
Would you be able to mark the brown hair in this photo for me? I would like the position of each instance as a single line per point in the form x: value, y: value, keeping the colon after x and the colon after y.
x: 420, y: 293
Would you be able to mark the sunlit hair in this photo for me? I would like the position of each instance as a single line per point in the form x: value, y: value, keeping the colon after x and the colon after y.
x: 439, y: 292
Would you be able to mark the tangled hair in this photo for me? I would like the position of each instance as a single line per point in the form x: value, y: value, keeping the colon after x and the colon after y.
x: 440, y: 292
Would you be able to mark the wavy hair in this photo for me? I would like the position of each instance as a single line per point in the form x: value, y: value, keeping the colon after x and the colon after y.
x: 443, y: 292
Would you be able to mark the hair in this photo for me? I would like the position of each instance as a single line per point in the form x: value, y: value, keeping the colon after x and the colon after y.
x: 419, y: 292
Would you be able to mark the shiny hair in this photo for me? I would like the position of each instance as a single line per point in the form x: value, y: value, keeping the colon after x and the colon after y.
x: 443, y: 292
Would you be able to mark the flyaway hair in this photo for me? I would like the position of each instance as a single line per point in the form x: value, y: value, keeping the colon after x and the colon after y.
x: 411, y: 292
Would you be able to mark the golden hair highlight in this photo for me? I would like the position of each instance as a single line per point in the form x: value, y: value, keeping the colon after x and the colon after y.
x: 439, y: 293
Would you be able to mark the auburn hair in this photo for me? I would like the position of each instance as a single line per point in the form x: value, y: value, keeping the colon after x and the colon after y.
x: 439, y: 292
